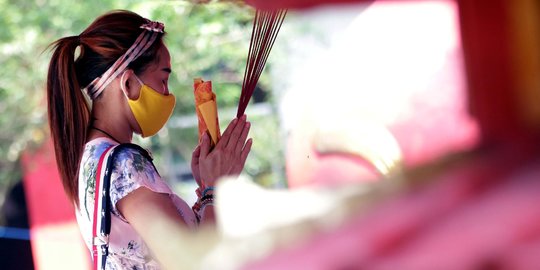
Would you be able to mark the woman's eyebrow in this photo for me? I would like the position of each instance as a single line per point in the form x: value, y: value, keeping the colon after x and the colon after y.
x: 168, y: 70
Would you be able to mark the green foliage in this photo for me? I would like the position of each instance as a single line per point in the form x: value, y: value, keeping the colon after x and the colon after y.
x: 27, y: 28
x: 209, y: 41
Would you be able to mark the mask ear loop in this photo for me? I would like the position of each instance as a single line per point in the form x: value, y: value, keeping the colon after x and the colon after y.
x: 139, y: 80
x: 122, y: 83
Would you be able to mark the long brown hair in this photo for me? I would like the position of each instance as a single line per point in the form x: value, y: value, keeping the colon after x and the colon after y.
x: 100, y: 45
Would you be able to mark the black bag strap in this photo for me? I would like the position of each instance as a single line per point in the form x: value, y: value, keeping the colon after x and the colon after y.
x: 100, y: 244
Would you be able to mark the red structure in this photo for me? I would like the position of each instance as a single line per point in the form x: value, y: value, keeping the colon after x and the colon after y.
x: 55, y: 238
x: 480, y: 211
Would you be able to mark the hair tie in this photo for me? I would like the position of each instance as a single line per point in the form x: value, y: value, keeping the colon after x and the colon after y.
x: 153, y: 26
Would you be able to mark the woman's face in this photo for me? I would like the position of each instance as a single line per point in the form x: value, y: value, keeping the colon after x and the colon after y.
x: 157, y: 75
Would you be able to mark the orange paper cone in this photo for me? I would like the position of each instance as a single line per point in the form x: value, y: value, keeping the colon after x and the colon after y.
x: 206, y: 108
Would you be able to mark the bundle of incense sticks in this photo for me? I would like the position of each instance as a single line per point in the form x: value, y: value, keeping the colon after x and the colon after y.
x: 266, y: 26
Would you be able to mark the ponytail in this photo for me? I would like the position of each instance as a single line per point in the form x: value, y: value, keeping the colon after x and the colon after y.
x: 68, y: 113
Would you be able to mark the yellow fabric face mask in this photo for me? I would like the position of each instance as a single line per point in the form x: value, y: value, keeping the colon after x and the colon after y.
x: 152, y: 110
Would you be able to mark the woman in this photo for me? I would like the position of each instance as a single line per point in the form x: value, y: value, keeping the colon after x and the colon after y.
x: 123, y: 66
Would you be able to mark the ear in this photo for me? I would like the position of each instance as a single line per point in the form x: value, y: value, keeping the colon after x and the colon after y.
x: 129, y: 84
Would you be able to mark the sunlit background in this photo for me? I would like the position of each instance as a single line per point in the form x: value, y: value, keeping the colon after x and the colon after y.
x: 392, y: 92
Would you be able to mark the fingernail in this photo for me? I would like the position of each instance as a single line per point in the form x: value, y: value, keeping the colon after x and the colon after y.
x: 244, y: 117
x: 248, y: 124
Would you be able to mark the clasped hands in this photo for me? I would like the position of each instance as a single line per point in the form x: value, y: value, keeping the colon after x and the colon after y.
x: 228, y: 156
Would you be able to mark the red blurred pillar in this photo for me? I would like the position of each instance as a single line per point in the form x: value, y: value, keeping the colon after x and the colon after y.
x: 55, y: 238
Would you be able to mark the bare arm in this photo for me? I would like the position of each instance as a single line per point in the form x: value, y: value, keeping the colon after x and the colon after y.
x: 156, y: 219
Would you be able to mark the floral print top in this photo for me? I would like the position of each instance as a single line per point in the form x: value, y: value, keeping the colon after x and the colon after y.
x: 131, y: 170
